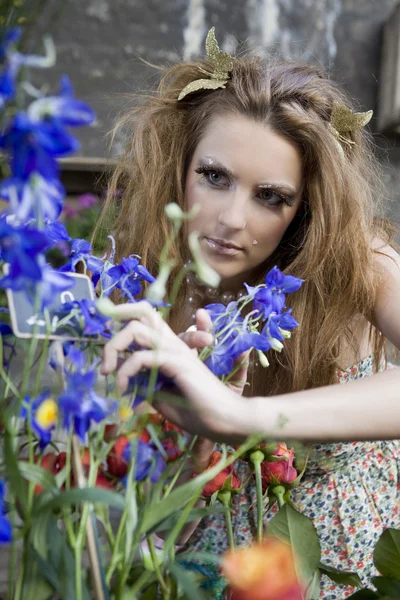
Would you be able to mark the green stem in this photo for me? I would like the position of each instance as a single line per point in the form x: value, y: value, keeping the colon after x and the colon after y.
x: 256, y: 458
x: 156, y: 566
x: 78, y: 574
x: 229, y: 527
x: 139, y: 583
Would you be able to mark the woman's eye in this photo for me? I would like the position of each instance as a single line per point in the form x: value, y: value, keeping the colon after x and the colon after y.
x: 213, y: 177
x: 217, y: 178
x: 270, y: 197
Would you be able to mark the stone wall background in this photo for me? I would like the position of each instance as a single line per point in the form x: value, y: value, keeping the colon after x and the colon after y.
x: 100, y: 44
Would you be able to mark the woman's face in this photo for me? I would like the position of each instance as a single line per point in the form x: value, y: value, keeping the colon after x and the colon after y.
x: 247, y: 181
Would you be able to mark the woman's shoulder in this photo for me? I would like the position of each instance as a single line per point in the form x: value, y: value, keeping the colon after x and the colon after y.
x: 386, y: 259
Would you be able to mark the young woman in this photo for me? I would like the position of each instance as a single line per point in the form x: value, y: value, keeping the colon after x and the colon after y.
x: 284, y: 174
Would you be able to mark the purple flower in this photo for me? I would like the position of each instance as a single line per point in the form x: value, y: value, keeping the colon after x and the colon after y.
x: 139, y: 385
x: 81, y: 251
x: 5, y: 525
x: 34, y: 197
x: 94, y: 322
x: 42, y: 413
x: 148, y: 461
x: 278, y: 282
x: 277, y: 323
x: 80, y: 404
x: 20, y: 248
x: 87, y: 200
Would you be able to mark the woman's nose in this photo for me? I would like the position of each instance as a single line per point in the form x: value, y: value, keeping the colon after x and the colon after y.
x: 232, y: 215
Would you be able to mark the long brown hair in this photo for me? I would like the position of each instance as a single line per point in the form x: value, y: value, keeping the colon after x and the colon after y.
x: 328, y: 244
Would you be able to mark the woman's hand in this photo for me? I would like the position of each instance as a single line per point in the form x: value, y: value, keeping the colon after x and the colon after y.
x: 209, y: 408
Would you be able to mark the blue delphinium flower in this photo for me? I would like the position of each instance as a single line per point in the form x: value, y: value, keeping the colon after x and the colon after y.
x: 94, y: 322
x: 148, y: 461
x: 139, y: 385
x: 12, y: 61
x: 271, y: 297
x: 234, y: 335
x: 283, y: 322
x: 33, y: 197
x: 79, y: 403
x: 5, y: 525
x: 20, y: 247
x: 42, y: 413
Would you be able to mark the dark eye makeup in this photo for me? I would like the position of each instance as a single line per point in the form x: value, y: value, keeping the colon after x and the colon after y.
x: 219, y: 177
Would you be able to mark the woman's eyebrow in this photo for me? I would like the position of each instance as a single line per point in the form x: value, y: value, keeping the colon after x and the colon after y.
x: 211, y: 161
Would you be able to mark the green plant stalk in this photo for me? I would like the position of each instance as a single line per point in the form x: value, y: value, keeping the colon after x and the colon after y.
x: 157, y: 570
x: 260, y: 504
x: 43, y: 354
x: 115, y: 556
x: 78, y: 574
x: 256, y: 458
x: 139, y: 583
x: 225, y: 497
x: 173, y: 534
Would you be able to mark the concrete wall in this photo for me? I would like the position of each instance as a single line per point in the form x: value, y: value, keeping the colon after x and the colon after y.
x: 100, y: 44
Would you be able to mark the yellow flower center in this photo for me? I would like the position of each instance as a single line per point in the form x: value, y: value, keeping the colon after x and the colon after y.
x: 46, y: 414
x: 125, y: 412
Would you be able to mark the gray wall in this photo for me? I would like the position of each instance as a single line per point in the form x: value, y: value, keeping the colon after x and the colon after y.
x: 100, y: 44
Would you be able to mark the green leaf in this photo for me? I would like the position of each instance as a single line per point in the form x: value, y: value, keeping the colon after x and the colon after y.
x: 58, y: 566
x: 178, y: 498
x: 341, y: 577
x: 79, y: 496
x: 298, y: 530
x: 387, y: 585
x: 186, y: 582
x: 37, y: 475
x: 99, y: 555
x: 17, y: 484
x: 387, y: 553
x: 36, y: 587
x: 151, y: 593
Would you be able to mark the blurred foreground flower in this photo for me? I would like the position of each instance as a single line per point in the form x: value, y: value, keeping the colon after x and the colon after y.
x: 5, y: 525
x: 264, y: 571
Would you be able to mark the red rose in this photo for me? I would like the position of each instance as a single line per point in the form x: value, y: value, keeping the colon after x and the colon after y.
x: 219, y: 480
x: 116, y: 464
x: 281, y: 471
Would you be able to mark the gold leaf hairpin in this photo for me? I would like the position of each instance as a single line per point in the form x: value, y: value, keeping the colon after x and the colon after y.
x: 222, y: 63
x: 344, y: 121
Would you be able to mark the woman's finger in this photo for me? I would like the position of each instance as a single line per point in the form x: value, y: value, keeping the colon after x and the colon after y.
x: 203, y: 320
x: 137, y: 310
x: 168, y: 362
x: 196, y: 339
x: 134, y: 332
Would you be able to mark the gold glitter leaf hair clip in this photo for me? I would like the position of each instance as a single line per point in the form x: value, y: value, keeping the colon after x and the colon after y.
x: 344, y: 121
x: 222, y: 63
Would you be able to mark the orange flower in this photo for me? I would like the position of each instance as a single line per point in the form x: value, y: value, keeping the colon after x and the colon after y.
x: 216, y: 484
x: 264, y: 571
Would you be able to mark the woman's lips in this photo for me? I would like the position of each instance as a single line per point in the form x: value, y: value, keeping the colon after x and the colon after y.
x: 219, y: 247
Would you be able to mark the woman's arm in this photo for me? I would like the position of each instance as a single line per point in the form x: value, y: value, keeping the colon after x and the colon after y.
x: 363, y: 409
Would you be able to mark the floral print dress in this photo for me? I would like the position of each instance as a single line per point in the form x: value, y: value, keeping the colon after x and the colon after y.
x: 351, y: 491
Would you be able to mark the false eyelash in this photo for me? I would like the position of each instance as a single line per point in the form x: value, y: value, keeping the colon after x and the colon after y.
x: 204, y: 169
